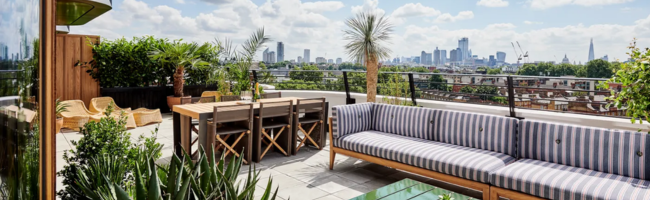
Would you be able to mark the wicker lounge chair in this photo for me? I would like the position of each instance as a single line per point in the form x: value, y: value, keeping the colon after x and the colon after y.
x: 138, y: 117
x: 77, y: 115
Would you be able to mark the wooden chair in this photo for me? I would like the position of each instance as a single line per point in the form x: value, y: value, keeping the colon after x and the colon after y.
x: 273, y: 128
x: 228, y: 121
x: 230, y: 98
x: 313, y: 111
x: 271, y: 95
x: 187, y: 100
x: 207, y: 99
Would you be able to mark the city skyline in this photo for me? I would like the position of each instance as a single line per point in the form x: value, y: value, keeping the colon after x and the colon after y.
x: 546, y: 30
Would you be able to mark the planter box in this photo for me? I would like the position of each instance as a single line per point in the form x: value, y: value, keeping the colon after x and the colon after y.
x: 150, y: 97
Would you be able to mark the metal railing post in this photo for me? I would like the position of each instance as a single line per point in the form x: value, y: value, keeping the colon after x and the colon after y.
x: 348, y: 99
x: 412, y: 87
x: 511, y: 98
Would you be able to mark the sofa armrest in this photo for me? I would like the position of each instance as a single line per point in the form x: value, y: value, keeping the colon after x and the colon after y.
x: 350, y: 119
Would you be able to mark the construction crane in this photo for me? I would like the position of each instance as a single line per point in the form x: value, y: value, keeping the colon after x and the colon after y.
x: 516, y: 54
x: 526, y: 59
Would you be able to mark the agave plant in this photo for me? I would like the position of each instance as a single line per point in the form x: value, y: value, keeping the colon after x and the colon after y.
x: 181, y: 179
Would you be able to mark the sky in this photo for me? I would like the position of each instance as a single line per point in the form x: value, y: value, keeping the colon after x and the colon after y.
x: 547, y: 29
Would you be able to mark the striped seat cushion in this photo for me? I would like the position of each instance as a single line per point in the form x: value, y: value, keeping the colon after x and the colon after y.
x: 464, y: 162
x: 556, y: 181
x: 403, y: 120
x: 610, y: 151
x: 487, y: 132
x: 348, y: 119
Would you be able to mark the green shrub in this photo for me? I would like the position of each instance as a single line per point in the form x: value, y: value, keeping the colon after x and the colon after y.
x: 108, y: 136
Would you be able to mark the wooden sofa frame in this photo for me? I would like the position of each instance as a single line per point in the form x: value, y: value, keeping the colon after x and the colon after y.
x: 489, y: 192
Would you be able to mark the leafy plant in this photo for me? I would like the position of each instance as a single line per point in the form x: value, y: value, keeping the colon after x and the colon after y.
x: 468, y: 90
x: 445, y: 197
x: 367, y: 33
x: 108, y: 136
x: 301, y: 73
x: 634, y: 83
x: 180, y: 55
x: 181, y: 179
x: 60, y: 107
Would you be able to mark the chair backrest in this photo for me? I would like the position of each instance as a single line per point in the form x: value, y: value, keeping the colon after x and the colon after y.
x: 276, y: 109
x: 271, y: 95
x: 481, y: 131
x: 605, y: 150
x: 208, y: 99
x: 403, y: 120
x: 230, y: 98
x: 76, y: 107
x: 186, y: 100
x: 99, y: 104
x: 310, y: 105
x: 234, y: 113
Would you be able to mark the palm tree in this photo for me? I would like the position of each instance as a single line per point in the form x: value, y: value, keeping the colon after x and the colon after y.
x: 181, y: 55
x: 367, y: 34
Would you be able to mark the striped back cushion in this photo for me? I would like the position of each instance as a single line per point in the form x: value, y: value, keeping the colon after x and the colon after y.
x: 347, y: 119
x: 487, y: 132
x: 403, y: 120
x: 610, y: 151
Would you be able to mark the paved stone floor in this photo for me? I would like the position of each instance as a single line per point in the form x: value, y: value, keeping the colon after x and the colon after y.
x: 304, y: 176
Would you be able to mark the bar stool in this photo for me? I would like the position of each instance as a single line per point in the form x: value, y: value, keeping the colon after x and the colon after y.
x: 228, y: 121
x: 313, y: 111
x: 273, y: 128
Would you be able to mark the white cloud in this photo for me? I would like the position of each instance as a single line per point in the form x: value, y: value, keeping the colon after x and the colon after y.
x: 463, y: 15
x: 501, y: 26
x: 368, y: 6
x: 323, y: 6
x: 414, y: 10
x: 544, y: 4
x: 492, y: 3
x: 180, y: 1
x: 532, y: 22
x: 218, y: 2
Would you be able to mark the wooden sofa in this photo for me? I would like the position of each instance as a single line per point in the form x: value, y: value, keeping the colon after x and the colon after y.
x: 500, y: 156
x: 456, y: 147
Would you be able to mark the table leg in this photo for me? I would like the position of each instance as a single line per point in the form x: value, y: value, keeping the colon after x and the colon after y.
x: 178, y: 150
x: 186, y: 134
x: 204, y: 139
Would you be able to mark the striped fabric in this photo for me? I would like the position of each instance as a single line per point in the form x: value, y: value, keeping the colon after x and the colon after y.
x: 556, y: 181
x: 487, y: 132
x: 403, y: 120
x: 347, y: 119
x: 603, y: 150
x: 464, y: 162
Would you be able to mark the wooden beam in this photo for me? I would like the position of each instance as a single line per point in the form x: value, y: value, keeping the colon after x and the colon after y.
x: 47, y: 156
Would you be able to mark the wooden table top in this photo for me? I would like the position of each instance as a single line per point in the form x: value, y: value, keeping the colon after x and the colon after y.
x: 195, y: 110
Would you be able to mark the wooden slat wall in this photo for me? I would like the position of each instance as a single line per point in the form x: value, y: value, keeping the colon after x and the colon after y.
x: 72, y: 82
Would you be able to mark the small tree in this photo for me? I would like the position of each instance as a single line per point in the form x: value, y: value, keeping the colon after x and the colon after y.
x: 468, y: 90
x: 635, y: 88
x: 180, y: 55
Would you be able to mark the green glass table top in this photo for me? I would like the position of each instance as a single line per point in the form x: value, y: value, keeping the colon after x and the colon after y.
x: 408, y: 189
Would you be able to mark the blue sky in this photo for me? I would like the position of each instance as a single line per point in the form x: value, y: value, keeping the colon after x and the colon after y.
x: 548, y: 29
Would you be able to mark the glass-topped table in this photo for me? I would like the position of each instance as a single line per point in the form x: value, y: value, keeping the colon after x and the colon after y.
x: 410, y: 189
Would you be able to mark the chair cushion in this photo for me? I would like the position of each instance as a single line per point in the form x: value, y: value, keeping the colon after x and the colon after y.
x: 464, y: 162
x: 347, y: 119
x: 555, y: 181
x: 610, y: 151
x: 487, y: 132
x: 403, y: 120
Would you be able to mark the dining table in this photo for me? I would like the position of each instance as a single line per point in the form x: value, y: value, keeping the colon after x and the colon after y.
x: 184, y: 114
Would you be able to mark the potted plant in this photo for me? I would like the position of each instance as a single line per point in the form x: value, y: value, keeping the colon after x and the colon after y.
x: 60, y: 108
x: 180, y: 55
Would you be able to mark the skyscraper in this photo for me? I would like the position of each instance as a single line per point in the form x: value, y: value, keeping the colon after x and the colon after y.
x: 330, y: 61
x: 501, y: 57
x: 299, y: 59
x: 272, y: 57
x: 429, y: 59
x: 417, y: 59
x: 591, y: 50
x: 280, y: 52
x: 423, y: 58
x: 463, y: 45
x: 305, y: 57
x: 443, y: 57
x: 265, y: 56
x: 436, y: 57
x: 339, y: 61
x: 453, y: 56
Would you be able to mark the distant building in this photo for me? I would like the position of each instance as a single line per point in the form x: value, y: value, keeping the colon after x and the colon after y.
x: 272, y: 57
x: 463, y: 45
x: 320, y: 60
x: 492, y: 61
x: 606, y: 58
x: 339, y: 61
x: 453, y: 56
x: 417, y: 59
x: 501, y: 57
x: 443, y: 57
x: 280, y: 52
x: 565, y: 60
x: 300, y: 60
x: 436, y: 57
x: 330, y: 61
x: 305, y: 57
x: 591, y: 50
x: 265, y: 55
x: 429, y: 59
x: 4, y: 54
x: 423, y: 58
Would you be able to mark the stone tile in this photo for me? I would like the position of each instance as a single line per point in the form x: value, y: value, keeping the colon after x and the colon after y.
x: 360, y: 175
x: 279, y: 180
x: 332, y: 183
x: 303, y: 191
x: 402, y: 175
x: 329, y: 197
x: 352, y: 192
